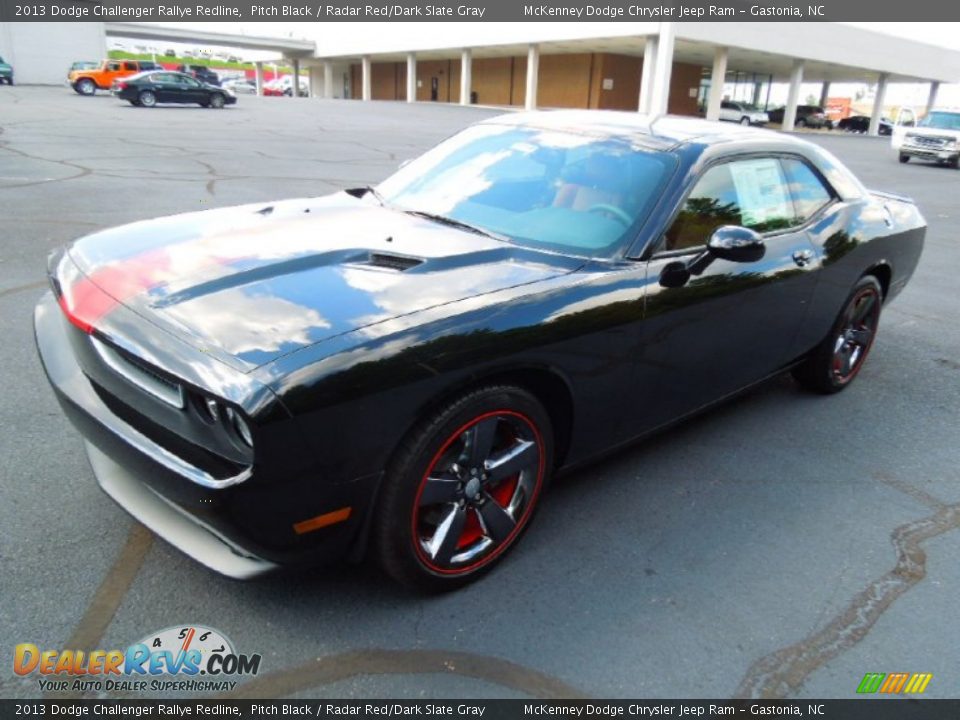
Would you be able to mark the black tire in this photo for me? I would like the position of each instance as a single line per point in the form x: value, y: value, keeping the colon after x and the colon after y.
x: 744, y: 120
x: 441, y: 520
x: 86, y: 86
x: 801, y: 122
x: 147, y: 98
x: 904, y: 158
x: 834, y: 364
x: 217, y: 101
x: 135, y: 103
x: 954, y: 163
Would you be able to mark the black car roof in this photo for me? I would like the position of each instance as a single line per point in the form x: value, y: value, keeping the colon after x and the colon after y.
x: 662, y: 132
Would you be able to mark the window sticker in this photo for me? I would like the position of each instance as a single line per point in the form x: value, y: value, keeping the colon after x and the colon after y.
x: 761, y: 190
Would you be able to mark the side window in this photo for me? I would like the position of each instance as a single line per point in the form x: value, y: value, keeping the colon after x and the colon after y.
x: 751, y: 193
x: 807, y: 189
x: 712, y: 203
x: 113, y: 67
x: 130, y: 66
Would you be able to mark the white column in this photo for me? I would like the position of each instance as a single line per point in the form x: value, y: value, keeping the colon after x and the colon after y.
x: 259, y: 78
x: 660, y: 93
x: 717, y: 79
x: 366, y: 91
x: 295, y: 88
x: 824, y: 94
x: 878, y: 105
x: 932, y: 97
x: 466, y: 75
x: 533, y: 72
x: 793, y: 96
x: 328, y: 79
x: 646, y: 74
x: 316, y: 80
x: 411, y: 77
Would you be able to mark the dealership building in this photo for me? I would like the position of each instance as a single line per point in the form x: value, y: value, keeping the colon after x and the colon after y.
x: 682, y: 68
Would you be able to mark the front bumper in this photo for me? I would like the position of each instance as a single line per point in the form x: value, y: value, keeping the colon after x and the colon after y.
x: 930, y: 153
x: 240, y: 531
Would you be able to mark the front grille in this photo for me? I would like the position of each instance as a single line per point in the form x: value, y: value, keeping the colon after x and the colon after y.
x: 215, y: 465
x: 139, y: 374
x: 928, y: 141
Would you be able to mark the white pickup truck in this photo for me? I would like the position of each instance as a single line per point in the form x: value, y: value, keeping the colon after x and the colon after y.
x: 936, y: 137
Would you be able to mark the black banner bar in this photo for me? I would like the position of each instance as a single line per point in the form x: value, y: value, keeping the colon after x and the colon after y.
x: 476, y: 10
x: 853, y: 709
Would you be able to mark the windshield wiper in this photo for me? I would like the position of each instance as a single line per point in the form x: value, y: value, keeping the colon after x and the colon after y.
x: 452, y: 222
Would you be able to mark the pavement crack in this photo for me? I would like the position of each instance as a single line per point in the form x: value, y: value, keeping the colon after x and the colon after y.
x: 783, y: 672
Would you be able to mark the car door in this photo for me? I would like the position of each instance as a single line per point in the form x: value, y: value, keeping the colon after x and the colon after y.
x: 165, y: 87
x: 192, y: 90
x: 112, y: 71
x: 728, y: 324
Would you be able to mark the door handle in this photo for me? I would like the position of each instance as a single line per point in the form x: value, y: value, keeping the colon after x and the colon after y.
x: 802, y: 257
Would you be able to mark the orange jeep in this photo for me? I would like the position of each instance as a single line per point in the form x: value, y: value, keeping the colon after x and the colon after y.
x: 87, y: 82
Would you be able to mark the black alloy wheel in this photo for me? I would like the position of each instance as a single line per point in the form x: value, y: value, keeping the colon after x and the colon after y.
x: 834, y: 364
x: 463, y: 489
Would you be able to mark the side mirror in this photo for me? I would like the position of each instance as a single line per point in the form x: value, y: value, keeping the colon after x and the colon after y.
x: 736, y: 244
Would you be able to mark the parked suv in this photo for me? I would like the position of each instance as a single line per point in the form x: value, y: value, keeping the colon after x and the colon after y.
x: 807, y: 116
x: 743, y: 113
x: 201, y: 73
x: 87, y: 82
x: 6, y: 72
x: 936, y: 137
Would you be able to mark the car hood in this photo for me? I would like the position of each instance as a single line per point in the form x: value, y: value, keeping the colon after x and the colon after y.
x: 252, y: 283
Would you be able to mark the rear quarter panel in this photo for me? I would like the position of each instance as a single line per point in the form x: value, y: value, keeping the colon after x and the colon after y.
x: 877, y: 234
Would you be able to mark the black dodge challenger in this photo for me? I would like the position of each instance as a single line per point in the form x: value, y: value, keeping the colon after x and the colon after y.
x: 400, y: 369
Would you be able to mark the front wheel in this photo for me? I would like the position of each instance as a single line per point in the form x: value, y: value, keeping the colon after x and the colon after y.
x: 744, y: 121
x: 216, y: 101
x: 904, y: 158
x: 836, y: 361
x: 462, y: 488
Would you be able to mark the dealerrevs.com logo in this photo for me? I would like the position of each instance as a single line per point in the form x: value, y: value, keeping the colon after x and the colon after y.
x: 182, y: 658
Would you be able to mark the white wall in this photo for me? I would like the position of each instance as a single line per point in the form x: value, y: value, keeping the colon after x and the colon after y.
x: 41, y: 53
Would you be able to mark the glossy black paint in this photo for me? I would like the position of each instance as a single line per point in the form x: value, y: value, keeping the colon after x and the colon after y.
x: 168, y: 92
x: 334, y: 325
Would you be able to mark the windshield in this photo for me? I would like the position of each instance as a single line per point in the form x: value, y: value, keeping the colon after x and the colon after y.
x: 942, y: 120
x: 539, y: 188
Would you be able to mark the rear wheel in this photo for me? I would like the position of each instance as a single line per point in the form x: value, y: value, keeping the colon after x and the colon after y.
x: 834, y: 364
x: 86, y: 86
x: 904, y: 158
x: 801, y: 122
x: 147, y: 98
x: 463, y: 488
x: 744, y: 120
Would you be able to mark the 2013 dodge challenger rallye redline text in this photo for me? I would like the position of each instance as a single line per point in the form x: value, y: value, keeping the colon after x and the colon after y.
x: 399, y: 370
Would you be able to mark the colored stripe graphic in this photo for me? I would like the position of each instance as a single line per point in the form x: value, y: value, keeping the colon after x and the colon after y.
x: 871, y: 682
x: 895, y: 683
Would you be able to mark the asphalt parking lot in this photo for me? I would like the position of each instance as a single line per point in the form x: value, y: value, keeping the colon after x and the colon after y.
x: 780, y: 546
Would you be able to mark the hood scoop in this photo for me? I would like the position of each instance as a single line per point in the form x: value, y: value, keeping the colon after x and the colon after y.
x: 391, y: 261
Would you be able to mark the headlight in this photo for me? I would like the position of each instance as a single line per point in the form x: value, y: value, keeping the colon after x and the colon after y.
x: 240, y: 426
